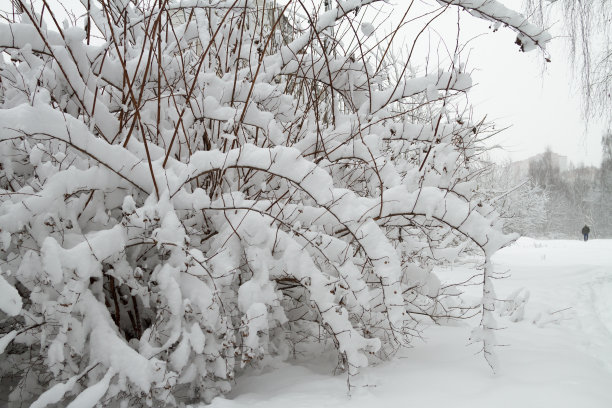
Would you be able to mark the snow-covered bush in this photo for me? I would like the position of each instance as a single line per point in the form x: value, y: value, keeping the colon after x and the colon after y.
x: 191, y: 187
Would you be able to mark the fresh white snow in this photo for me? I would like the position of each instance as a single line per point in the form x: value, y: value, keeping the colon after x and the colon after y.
x: 559, y: 355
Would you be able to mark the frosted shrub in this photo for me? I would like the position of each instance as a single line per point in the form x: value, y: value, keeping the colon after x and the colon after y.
x: 193, y: 187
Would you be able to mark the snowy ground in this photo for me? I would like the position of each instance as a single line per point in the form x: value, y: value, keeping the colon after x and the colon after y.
x: 559, y: 355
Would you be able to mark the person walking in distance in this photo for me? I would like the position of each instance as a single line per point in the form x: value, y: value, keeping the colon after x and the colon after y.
x: 585, y: 232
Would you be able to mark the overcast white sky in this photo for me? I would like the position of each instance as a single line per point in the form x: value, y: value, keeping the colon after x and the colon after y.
x: 542, y: 107
x: 539, y: 103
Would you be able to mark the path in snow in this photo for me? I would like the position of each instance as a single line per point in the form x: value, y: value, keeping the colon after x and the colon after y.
x: 568, y: 274
x: 559, y: 355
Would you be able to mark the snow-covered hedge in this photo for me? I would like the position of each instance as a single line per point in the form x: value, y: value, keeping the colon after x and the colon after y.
x: 192, y: 187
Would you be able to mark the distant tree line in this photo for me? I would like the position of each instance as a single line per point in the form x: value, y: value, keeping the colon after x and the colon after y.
x: 556, y: 203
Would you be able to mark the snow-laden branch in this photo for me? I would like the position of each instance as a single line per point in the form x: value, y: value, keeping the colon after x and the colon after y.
x: 530, y: 36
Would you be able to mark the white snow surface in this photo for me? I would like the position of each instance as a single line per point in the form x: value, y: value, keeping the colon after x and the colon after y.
x: 558, y: 353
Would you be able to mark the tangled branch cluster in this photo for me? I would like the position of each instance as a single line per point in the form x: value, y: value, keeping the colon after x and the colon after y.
x: 191, y: 187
